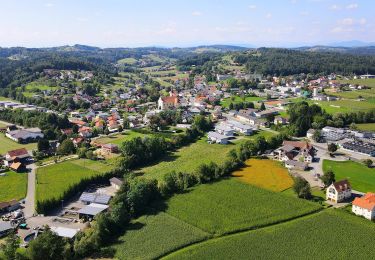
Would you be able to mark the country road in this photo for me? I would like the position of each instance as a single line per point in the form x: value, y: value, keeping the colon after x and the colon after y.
x: 29, y: 209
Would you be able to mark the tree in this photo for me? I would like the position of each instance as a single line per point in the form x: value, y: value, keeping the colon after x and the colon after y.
x: 368, y: 162
x: 66, y: 147
x: 262, y: 107
x: 332, y: 148
x: 9, y: 248
x: 43, y: 145
x: 47, y: 246
x: 328, y: 178
x: 302, y: 188
x: 317, y: 136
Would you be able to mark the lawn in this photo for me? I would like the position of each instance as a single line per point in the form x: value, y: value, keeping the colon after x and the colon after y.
x: 366, y: 93
x: 8, y: 145
x: 119, y: 138
x: 188, y: 158
x: 13, y: 186
x: 154, y: 235
x: 237, y: 99
x: 366, y: 127
x: 267, y: 174
x: 331, y: 234
x: 231, y: 205
x: 363, y: 82
x: 360, y: 177
x: 344, y: 106
x: 53, y: 180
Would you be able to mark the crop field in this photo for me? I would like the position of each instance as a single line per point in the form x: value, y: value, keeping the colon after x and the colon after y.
x: 188, y: 158
x: 225, y: 102
x: 360, y: 177
x: 366, y: 127
x: 13, y: 186
x: 313, y: 237
x: 266, y: 174
x: 231, y: 205
x: 8, y: 145
x: 54, y: 179
x: 153, y: 235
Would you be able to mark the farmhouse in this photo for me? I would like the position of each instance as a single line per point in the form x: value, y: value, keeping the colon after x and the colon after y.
x: 365, y: 206
x: 19, y: 155
x: 25, y: 135
x: 339, y: 191
x: 295, y: 150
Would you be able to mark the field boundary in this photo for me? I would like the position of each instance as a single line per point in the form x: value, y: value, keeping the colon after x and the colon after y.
x: 243, y: 230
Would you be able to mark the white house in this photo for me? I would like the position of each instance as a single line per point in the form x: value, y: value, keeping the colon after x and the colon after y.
x: 339, y: 191
x: 224, y: 130
x: 365, y: 206
x: 214, y: 137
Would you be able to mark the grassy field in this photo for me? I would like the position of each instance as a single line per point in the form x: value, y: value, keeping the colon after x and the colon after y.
x: 363, y: 82
x: 360, y: 177
x: 225, y: 102
x: 127, y: 61
x: 54, y: 179
x: 153, y: 235
x: 231, y: 205
x: 188, y: 158
x: 344, y: 106
x: 366, y: 127
x: 8, y: 145
x: 366, y: 93
x: 13, y: 186
x: 119, y: 138
x: 266, y: 174
x: 331, y: 234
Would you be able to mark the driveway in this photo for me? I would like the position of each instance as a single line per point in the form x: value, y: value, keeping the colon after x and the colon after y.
x: 29, y: 208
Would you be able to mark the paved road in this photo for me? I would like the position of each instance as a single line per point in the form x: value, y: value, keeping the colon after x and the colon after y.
x: 29, y: 209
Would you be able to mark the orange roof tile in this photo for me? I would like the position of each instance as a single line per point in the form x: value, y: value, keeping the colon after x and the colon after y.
x: 366, y: 202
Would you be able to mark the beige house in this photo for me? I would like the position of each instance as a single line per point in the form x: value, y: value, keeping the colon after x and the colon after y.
x: 339, y: 191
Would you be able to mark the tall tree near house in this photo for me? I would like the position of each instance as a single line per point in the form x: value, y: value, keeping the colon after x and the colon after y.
x: 262, y: 107
x: 302, y: 188
x: 328, y: 178
x: 332, y: 148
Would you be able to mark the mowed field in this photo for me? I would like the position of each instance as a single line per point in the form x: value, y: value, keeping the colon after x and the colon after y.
x: 13, y: 186
x: 360, y: 176
x: 366, y: 127
x: 55, y: 179
x: 330, y: 234
x: 264, y: 173
x: 225, y: 102
x: 204, y: 212
x: 344, y: 106
x: 188, y: 158
x: 7, y: 145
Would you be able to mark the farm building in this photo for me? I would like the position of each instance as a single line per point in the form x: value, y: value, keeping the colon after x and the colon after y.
x: 97, y: 198
x: 339, y: 191
x: 5, y: 228
x: 116, y: 183
x: 90, y: 211
x: 25, y: 135
x: 365, y: 206
x: 9, y: 206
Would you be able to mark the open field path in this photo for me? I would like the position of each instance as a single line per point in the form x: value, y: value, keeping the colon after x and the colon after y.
x: 246, y: 230
x: 29, y: 209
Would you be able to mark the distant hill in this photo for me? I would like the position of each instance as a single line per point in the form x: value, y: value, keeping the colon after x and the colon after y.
x: 367, y: 50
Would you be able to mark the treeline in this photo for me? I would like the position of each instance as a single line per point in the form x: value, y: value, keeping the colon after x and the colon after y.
x: 283, y: 62
x: 50, y: 123
x: 303, y: 116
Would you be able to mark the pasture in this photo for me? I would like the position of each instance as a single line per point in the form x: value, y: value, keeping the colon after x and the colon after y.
x: 237, y: 99
x: 344, y: 106
x: 53, y: 180
x: 360, y: 177
x: 230, y: 205
x: 188, y: 158
x: 366, y: 127
x: 13, y: 186
x: 315, y: 237
x: 151, y: 236
x: 363, y: 82
x: 8, y: 145
x: 267, y: 174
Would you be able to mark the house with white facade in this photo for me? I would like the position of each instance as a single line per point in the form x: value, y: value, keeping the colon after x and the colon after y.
x: 339, y: 191
x: 214, y: 137
x: 365, y: 206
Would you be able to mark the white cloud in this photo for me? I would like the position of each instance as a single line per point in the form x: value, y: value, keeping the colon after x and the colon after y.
x: 49, y: 5
x: 269, y: 16
x: 170, y: 28
x: 352, y: 6
x: 304, y: 13
x: 362, y: 21
x: 335, y: 7
x: 196, y: 13
x: 347, y: 21
x: 252, y: 7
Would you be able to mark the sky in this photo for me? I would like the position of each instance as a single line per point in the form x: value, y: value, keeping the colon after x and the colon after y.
x: 183, y: 23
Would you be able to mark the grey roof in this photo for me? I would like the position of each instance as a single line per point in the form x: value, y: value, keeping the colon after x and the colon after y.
x: 116, y: 181
x: 93, y: 209
x: 5, y: 226
x: 216, y: 136
x: 95, y: 198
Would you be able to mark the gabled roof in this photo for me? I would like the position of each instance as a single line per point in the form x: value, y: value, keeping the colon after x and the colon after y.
x: 18, y: 152
x: 342, y: 185
x: 366, y: 202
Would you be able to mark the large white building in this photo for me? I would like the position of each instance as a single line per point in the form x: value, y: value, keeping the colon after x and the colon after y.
x: 365, y: 206
x: 339, y: 191
x: 25, y: 135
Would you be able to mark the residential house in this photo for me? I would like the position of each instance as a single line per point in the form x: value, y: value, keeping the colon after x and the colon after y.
x: 280, y: 120
x: 110, y: 148
x: 169, y: 102
x: 18, y: 155
x: 339, y: 191
x: 365, y: 206
x: 214, y: 137
x: 224, y: 129
x: 295, y: 150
